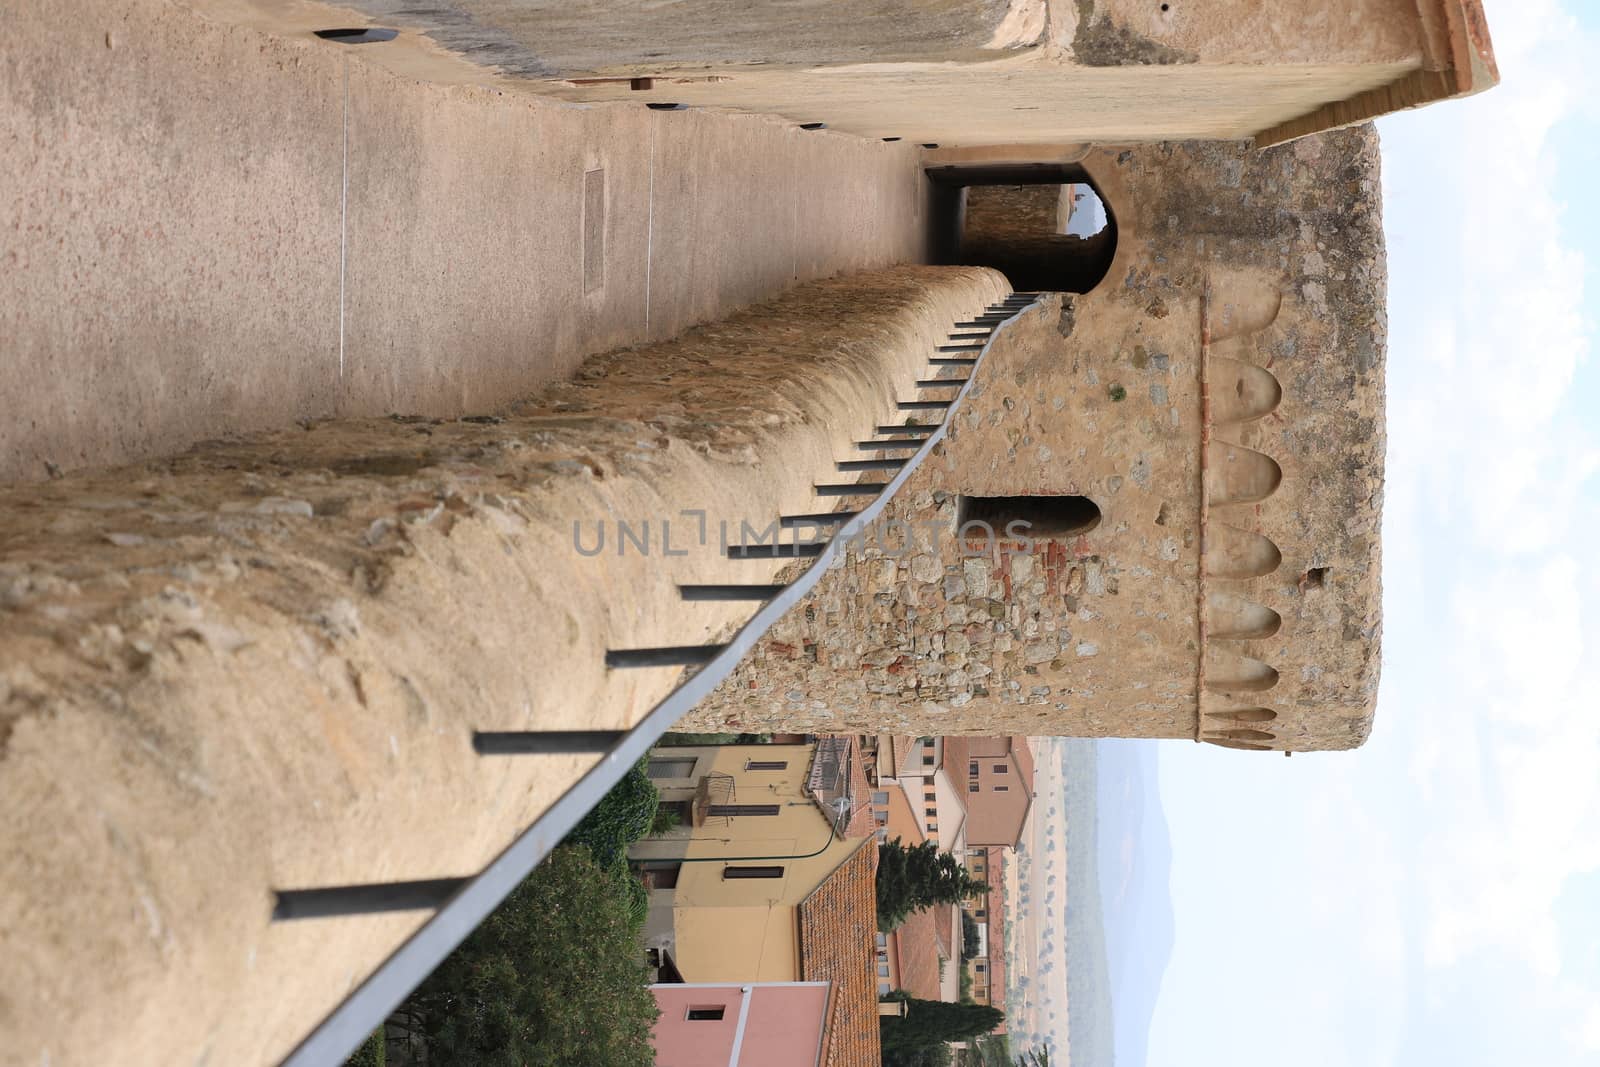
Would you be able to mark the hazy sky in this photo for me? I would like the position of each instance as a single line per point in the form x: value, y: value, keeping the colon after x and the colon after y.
x: 1434, y: 898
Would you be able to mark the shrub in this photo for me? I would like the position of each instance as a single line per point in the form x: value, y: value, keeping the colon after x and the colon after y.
x: 372, y: 1052
x: 554, y: 977
x: 622, y: 817
x: 969, y: 937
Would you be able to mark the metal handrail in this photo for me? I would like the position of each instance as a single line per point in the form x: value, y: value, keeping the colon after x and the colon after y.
x: 338, y: 1035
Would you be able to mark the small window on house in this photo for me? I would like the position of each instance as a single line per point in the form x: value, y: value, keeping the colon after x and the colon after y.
x: 927, y: 760
x: 932, y: 813
x: 1001, y: 768
x: 752, y: 872
x: 973, y: 787
x: 881, y: 818
x: 883, y: 988
x: 670, y: 768
x: 1002, y: 789
x: 883, y: 970
x: 882, y: 836
x: 980, y: 967
x: 880, y: 799
x: 1034, y: 516
x: 882, y: 940
x: 706, y: 1013
x: 766, y: 765
x: 719, y: 811
x: 972, y: 768
x: 980, y: 914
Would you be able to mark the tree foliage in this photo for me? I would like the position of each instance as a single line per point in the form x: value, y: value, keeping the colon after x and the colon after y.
x: 935, y: 1022
x: 969, y: 937
x: 910, y: 879
x: 926, y: 1056
x: 554, y: 976
x: 623, y: 816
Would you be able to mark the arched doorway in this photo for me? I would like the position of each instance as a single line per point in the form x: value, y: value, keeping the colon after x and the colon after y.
x: 1044, y: 225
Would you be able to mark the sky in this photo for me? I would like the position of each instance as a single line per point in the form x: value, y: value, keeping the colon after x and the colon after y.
x: 1434, y: 897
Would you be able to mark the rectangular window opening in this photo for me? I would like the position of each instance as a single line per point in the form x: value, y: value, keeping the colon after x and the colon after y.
x: 752, y: 872
x: 766, y: 765
x: 706, y: 1013
x: 1025, y: 516
x: 670, y: 768
x: 729, y: 810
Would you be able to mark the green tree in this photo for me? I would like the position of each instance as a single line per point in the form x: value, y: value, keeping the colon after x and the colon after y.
x: 969, y: 937
x: 554, y: 977
x: 910, y: 879
x: 622, y: 817
x: 927, y: 1056
x: 934, y: 1022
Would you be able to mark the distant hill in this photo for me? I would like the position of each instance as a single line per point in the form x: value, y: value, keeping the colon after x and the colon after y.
x: 1119, y: 921
x: 1135, y: 875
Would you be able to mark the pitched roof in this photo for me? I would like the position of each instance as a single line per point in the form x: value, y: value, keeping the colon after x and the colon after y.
x: 903, y: 821
x: 838, y: 930
x: 907, y: 753
x: 944, y: 925
x: 917, y: 951
x: 992, y: 820
x: 995, y: 866
x: 861, y: 821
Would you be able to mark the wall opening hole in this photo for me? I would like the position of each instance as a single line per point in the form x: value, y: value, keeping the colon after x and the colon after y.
x: 891, y: 138
x: 813, y: 125
x: 1043, y: 516
x: 358, y: 35
x: 641, y: 83
x: 1314, y: 578
x: 663, y: 106
x: 1043, y: 225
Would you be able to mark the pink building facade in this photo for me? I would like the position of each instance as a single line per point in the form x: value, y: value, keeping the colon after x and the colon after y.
x: 755, y: 1024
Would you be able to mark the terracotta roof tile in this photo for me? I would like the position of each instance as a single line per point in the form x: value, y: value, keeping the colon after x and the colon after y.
x: 917, y: 949
x: 995, y: 865
x: 838, y: 932
x: 861, y: 822
x: 944, y: 921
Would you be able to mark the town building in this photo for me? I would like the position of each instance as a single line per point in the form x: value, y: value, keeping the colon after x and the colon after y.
x: 753, y: 1024
x: 767, y: 881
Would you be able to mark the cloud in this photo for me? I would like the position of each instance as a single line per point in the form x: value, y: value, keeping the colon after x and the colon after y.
x: 1493, y: 460
x: 1425, y: 900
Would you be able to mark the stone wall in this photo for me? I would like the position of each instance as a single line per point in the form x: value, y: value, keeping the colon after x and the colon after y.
x: 260, y: 664
x: 967, y: 72
x: 1219, y: 400
x: 1016, y: 229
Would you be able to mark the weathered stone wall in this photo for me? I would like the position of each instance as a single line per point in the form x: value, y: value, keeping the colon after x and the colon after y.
x: 260, y: 664
x: 1008, y: 212
x: 1219, y: 398
x: 967, y: 72
x: 1016, y: 229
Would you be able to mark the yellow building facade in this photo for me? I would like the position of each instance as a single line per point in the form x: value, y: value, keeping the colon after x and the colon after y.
x: 760, y: 828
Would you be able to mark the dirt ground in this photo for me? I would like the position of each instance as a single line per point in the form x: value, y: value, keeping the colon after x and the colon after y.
x: 206, y: 229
